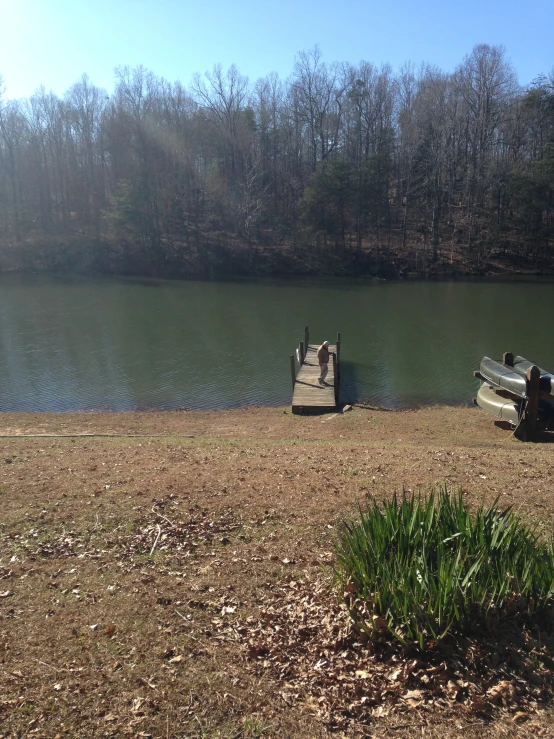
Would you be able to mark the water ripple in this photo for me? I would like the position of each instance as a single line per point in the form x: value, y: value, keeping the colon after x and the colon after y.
x: 121, y: 345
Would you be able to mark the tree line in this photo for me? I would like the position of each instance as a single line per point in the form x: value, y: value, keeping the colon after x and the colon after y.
x: 338, y: 169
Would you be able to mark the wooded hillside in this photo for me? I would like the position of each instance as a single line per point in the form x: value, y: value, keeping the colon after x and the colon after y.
x: 338, y: 169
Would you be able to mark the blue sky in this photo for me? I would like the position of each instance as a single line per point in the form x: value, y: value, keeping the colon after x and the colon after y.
x: 53, y: 42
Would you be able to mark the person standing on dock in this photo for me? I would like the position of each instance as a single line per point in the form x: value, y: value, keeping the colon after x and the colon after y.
x: 323, y: 359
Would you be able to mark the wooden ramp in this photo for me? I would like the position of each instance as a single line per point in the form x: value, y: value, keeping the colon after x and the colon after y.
x: 308, y: 395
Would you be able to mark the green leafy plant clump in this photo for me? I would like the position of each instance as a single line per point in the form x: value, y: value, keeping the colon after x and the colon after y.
x: 420, y: 568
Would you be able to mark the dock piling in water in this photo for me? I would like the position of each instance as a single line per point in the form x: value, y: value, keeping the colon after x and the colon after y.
x: 338, y: 357
x: 292, y: 370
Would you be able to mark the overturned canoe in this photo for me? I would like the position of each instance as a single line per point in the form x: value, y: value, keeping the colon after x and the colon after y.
x: 546, y: 383
x: 502, y: 408
x: 503, y: 376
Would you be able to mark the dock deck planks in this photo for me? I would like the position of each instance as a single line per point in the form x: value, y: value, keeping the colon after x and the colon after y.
x: 309, y: 396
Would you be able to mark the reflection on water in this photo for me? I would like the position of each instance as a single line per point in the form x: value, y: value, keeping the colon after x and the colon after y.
x: 75, y: 343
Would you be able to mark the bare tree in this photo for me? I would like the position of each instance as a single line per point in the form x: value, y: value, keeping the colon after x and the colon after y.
x: 487, y: 84
x: 318, y: 93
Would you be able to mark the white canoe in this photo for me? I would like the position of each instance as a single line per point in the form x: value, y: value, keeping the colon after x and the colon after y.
x: 496, y: 405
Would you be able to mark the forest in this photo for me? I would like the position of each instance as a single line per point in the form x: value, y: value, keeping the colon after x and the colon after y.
x: 339, y: 169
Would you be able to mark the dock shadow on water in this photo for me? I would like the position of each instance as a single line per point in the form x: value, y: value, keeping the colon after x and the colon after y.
x: 351, y: 382
x: 373, y: 385
x: 366, y: 383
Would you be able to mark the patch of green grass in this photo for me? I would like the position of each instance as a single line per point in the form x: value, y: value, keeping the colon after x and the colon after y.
x: 419, y: 568
x: 252, y: 727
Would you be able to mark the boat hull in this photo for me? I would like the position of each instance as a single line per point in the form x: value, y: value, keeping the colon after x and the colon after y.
x: 502, y: 408
x: 503, y: 376
x: 546, y: 383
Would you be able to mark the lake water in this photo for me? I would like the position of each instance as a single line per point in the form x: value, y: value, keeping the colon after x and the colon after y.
x: 72, y: 343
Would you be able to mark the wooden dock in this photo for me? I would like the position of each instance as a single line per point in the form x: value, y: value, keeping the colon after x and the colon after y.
x: 308, y: 395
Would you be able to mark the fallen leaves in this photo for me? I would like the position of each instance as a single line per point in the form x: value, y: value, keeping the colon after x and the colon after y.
x: 179, y: 536
x: 306, y: 640
x: 298, y: 651
x: 504, y: 692
x: 152, y: 533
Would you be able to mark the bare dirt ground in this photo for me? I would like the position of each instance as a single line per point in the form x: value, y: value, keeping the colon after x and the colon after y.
x: 174, y: 579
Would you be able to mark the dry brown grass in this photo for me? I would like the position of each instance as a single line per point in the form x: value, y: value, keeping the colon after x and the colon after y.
x: 101, y: 636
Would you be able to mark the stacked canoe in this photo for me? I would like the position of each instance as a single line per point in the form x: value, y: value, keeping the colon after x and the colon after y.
x: 505, y: 390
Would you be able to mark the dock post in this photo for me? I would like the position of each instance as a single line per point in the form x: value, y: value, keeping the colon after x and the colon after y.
x: 338, y: 357
x: 335, y: 377
x: 532, y: 408
x: 302, y: 354
x: 306, y: 338
x: 292, y: 370
x: 508, y: 359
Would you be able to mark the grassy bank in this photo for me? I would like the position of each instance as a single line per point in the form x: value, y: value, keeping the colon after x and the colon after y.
x: 174, y: 579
